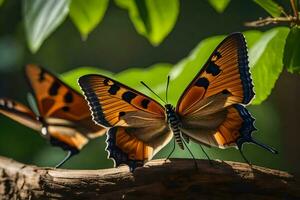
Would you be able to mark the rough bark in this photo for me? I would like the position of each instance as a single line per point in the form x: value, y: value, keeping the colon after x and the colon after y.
x: 174, y: 179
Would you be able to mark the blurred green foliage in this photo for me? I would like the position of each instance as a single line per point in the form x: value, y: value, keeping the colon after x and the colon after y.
x: 292, y: 51
x: 87, y: 14
x: 270, y: 6
x: 41, y: 18
x: 219, y: 5
x: 153, y: 19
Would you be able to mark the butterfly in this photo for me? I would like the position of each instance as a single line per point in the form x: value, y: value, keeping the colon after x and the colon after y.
x: 63, y: 115
x: 211, y: 111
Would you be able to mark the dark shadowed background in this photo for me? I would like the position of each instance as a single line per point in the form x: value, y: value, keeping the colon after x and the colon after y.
x: 115, y: 46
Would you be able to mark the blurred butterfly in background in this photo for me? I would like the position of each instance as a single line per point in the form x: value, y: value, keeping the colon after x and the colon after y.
x: 63, y: 115
x: 210, y: 111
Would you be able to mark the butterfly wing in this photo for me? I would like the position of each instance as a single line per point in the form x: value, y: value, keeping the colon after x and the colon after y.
x: 210, y: 107
x: 56, y: 100
x: 20, y: 113
x: 138, y: 128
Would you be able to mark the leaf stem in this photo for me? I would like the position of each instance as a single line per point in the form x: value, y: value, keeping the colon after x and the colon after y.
x: 295, y: 9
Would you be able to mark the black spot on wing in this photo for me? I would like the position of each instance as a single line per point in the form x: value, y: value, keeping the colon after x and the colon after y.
x: 218, y: 55
x: 225, y: 92
x: 105, y: 82
x: 53, y: 91
x: 66, y: 108
x: 213, y: 69
x: 113, y: 89
x: 68, y: 98
x: 128, y: 96
x: 202, y: 82
x: 42, y: 75
x: 145, y: 103
x: 121, y: 114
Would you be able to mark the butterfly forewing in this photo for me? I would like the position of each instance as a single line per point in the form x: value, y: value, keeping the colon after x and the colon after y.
x: 20, y: 113
x: 226, y: 72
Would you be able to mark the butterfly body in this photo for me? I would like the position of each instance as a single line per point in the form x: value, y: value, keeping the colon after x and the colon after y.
x: 211, y: 110
x: 174, y: 124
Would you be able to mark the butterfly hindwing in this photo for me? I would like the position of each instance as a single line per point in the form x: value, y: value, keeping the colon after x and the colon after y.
x: 138, y: 129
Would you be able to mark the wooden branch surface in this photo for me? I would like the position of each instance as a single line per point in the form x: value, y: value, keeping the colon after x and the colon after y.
x: 175, y: 179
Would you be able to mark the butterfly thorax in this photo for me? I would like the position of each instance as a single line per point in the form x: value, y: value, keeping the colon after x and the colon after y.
x: 174, y: 124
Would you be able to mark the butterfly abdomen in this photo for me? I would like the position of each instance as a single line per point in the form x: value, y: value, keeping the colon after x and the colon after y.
x: 174, y: 124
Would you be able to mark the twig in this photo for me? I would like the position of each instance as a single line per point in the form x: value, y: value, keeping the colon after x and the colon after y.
x: 175, y: 179
x: 273, y: 20
x: 286, y: 19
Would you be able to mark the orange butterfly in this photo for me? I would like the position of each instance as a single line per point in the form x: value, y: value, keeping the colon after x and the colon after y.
x: 63, y: 115
x: 210, y: 111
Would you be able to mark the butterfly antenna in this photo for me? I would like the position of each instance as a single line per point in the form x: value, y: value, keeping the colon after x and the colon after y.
x: 152, y: 91
x: 68, y: 156
x: 167, y: 88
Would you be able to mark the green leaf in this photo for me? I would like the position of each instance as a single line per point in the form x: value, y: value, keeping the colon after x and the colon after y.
x: 86, y: 15
x: 154, y: 76
x: 1, y: 2
x: 41, y: 18
x: 153, y: 19
x: 266, y: 64
x: 252, y: 37
x: 71, y: 77
x: 291, y: 58
x: 270, y: 6
x: 219, y: 5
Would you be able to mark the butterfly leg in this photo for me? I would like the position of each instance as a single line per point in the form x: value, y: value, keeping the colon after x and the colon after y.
x: 208, y: 158
x: 195, y: 161
x: 173, y: 149
x: 68, y: 156
x: 244, y: 157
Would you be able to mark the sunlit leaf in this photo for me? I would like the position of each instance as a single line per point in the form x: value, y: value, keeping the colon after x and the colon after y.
x: 71, y: 77
x: 1, y: 2
x: 270, y: 6
x: 252, y: 37
x: 87, y: 14
x: 153, y: 19
x: 154, y: 76
x: 291, y: 58
x: 219, y: 5
x: 266, y: 64
x: 41, y: 18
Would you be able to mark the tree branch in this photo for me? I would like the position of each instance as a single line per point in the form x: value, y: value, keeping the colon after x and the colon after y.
x: 175, y: 179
